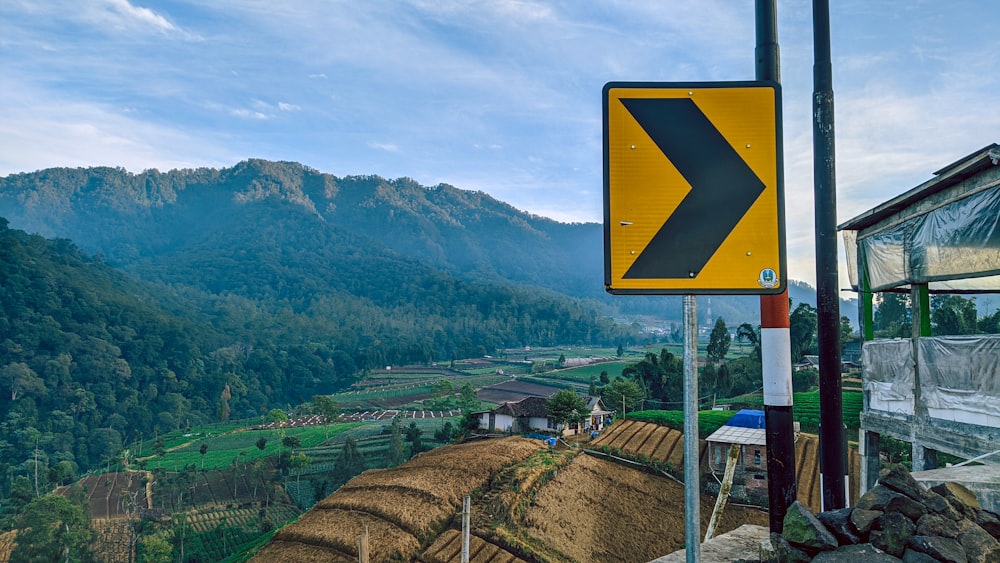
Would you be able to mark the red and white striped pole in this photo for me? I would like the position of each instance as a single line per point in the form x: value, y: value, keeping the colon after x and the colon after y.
x: 776, y: 361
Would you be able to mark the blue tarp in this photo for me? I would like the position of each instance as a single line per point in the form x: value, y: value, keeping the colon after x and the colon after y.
x: 747, y: 418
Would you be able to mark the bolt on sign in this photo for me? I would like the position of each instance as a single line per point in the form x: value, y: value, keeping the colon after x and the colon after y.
x: 693, y: 188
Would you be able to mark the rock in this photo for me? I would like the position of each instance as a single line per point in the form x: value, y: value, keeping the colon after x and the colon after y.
x: 960, y: 497
x: 989, y: 522
x: 785, y: 552
x: 937, y: 504
x: 863, y: 520
x: 897, y: 478
x: 802, y: 529
x: 937, y: 525
x: 896, y: 530
x: 979, y: 545
x: 839, y: 523
x: 887, y: 500
x: 910, y: 556
x: 941, y: 549
x: 865, y: 552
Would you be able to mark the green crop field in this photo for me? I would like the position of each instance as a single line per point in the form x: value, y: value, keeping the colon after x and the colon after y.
x: 583, y: 374
x: 222, y: 450
x: 805, y: 408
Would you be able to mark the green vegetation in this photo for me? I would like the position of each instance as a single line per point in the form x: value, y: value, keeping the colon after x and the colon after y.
x: 223, y: 448
x: 805, y: 408
x: 708, y: 421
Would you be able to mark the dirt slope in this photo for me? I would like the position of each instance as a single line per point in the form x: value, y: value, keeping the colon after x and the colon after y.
x: 596, y: 510
x: 530, y: 503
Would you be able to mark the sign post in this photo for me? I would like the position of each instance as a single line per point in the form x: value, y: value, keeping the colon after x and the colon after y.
x: 693, y: 204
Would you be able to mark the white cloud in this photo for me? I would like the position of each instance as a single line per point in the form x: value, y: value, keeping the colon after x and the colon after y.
x: 283, y: 106
x: 387, y: 147
x: 248, y: 114
x: 64, y: 132
x: 140, y: 16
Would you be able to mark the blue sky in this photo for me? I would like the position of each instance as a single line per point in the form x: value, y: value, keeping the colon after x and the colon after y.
x: 502, y: 96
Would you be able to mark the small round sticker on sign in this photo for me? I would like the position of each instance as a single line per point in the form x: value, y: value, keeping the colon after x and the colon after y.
x: 768, y: 278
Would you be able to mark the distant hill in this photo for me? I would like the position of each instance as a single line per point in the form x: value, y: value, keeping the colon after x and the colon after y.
x: 298, y: 233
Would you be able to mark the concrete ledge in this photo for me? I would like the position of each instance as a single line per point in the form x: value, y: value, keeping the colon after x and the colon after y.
x: 741, y: 543
x: 984, y: 480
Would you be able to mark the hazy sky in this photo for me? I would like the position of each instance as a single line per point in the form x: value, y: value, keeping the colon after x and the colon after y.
x: 502, y: 96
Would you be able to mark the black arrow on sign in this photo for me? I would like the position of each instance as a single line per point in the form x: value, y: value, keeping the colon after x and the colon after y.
x: 723, y: 188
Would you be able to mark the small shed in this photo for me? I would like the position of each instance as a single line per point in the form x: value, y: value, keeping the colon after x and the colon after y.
x: 746, y: 428
x: 940, y: 392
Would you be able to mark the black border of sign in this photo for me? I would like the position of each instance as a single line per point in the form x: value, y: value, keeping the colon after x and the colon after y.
x: 780, y: 179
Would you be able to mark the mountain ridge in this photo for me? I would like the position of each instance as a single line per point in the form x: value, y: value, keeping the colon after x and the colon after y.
x: 466, y: 233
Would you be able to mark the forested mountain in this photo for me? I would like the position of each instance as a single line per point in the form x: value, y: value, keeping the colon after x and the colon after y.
x: 199, y: 284
x: 132, y: 218
x: 164, y: 225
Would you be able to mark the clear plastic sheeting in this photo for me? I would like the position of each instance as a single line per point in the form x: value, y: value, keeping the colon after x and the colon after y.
x: 959, y: 377
x: 959, y: 240
x: 960, y: 373
x: 888, y: 368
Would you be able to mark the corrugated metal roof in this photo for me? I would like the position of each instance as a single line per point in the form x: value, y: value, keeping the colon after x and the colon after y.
x: 738, y: 435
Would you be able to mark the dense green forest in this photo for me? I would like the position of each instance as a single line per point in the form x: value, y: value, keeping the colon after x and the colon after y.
x: 92, y: 359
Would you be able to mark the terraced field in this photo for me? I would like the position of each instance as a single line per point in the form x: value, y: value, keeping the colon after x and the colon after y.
x: 397, y: 506
x: 529, y: 503
x: 647, y: 441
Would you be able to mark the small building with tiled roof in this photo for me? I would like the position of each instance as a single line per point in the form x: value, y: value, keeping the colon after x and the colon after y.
x: 529, y: 415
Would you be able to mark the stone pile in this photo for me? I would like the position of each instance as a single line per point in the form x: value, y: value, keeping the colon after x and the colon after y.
x: 897, y: 520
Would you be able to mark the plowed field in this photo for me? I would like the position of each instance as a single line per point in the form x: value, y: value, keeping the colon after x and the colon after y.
x: 655, y: 442
x: 582, y: 508
x: 397, y: 506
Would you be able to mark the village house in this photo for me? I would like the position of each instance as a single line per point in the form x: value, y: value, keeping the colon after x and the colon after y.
x: 529, y: 415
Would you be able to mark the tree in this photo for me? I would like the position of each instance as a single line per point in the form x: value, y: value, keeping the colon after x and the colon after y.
x: 395, y: 453
x: 953, y: 315
x: 21, y: 380
x: 621, y: 351
x: 261, y: 443
x: 746, y: 332
x: 52, y: 528
x: 203, y: 450
x: 718, y: 343
x: 154, y: 549
x: 446, y: 433
x: 623, y: 393
x: 349, y: 463
x: 604, y: 377
x: 846, y: 331
x: 802, y: 330
x: 468, y: 399
x: 299, y: 462
x: 566, y: 407
x: 291, y: 442
x: 413, y: 433
x: 328, y: 408
x: 892, y: 317
x: 990, y: 324
x: 224, y: 403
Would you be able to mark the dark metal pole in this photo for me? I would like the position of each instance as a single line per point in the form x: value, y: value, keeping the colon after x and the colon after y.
x: 774, y: 329
x: 833, y: 457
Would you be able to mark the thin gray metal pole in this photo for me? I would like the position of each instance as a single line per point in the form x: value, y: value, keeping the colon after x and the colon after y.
x: 692, y: 496
x: 466, y: 509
